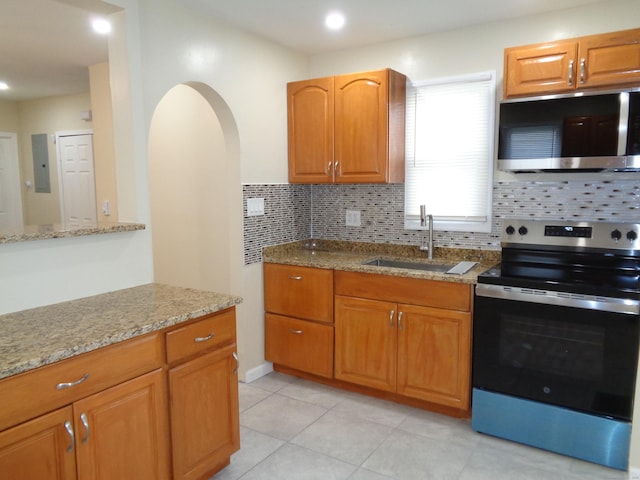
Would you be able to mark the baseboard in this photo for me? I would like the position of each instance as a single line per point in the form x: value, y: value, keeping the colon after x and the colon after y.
x: 257, y: 372
x: 634, y: 473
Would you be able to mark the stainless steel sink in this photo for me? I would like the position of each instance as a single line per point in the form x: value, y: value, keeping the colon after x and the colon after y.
x: 429, y: 267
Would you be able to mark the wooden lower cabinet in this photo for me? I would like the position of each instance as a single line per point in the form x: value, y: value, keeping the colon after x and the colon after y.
x: 40, y: 448
x: 299, y: 344
x: 204, y: 413
x: 123, y: 432
x: 408, y: 337
x: 434, y: 355
x: 116, y: 412
x: 120, y: 433
x: 366, y: 342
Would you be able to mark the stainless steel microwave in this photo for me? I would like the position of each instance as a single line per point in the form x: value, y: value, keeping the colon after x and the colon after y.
x: 576, y: 132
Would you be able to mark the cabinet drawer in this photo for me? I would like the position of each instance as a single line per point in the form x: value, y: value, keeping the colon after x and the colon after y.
x: 300, y: 292
x: 415, y: 291
x: 32, y: 393
x: 211, y: 331
x: 299, y: 344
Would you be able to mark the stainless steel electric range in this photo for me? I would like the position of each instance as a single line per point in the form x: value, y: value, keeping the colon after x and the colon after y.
x: 556, y: 336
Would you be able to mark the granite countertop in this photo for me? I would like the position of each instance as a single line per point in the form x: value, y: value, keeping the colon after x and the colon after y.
x: 350, y: 256
x: 57, y: 230
x: 44, y: 335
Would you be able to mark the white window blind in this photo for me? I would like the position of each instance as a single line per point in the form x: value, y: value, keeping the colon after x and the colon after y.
x: 449, y: 164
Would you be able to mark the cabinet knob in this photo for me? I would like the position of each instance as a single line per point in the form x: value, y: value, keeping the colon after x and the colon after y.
x: 295, y: 277
x: 295, y: 332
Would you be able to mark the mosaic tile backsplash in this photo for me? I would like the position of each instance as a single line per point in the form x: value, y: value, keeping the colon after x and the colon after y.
x: 297, y: 212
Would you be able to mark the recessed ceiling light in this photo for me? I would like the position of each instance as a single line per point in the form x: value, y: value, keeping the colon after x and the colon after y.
x: 101, y: 26
x: 4, y: 86
x: 334, y: 20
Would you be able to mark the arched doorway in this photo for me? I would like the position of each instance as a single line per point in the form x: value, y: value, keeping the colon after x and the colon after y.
x: 195, y: 190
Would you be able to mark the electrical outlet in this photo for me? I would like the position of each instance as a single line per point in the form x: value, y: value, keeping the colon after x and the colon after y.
x: 353, y: 218
x: 255, y: 207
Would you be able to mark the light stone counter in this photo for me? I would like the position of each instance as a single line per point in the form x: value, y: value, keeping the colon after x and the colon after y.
x: 43, y: 232
x: 350, y: 256
x: 40, y: 336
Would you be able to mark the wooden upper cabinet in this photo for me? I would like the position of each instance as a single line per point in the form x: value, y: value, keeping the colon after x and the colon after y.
x: 310, y: 122
x: 595, y: 61
x: 610, y: 59
x: 348, y: 128
x: 537, y: 69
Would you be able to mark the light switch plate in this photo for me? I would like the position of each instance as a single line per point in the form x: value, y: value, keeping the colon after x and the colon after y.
x: 255, y: 207
x: 353, y: 218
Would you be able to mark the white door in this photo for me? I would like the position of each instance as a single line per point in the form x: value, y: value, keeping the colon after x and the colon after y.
x: 77, y: 179
x: 10, y: 192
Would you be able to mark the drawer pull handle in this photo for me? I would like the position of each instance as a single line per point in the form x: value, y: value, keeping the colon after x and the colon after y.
x: 203, y: 339
x: 62, y: 386
x: 391, y: 314
x: 235, y: 356
x: 295, y: 332
x: 400, y: 319
x: 85, y: 424
x: 295, y: 277
x: 69, y: 428
x: 582, y: 68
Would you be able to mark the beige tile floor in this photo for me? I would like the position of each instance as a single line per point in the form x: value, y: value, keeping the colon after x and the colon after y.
x: 294, y: 429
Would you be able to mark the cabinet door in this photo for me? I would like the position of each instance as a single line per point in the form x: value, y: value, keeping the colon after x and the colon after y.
x: 299, y: 344
x: 434, y: 355
x: 310, y: 126
x: 301, y: 292
x: 610, y: 59
x: 204, y: 414
x: 123, y: 432
x: 541, y: 68
x: 361, y: 127
x: 365, y: 350
x: 39, y: 449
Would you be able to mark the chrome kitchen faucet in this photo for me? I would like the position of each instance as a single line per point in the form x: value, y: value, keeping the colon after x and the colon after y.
x: 424, y: 219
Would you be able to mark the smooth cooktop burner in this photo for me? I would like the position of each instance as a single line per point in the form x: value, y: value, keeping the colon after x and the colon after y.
x: 598, y: 258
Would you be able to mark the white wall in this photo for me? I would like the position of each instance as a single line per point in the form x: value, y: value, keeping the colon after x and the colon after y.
x: 250, y: 75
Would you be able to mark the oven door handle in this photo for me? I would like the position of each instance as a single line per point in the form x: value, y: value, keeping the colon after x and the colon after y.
x: 563, y: 299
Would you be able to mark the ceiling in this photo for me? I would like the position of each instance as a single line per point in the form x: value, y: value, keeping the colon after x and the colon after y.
x: 46, y: 45
x: 299, y: 24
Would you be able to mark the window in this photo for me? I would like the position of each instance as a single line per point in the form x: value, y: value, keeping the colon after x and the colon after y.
x: 450, y: 138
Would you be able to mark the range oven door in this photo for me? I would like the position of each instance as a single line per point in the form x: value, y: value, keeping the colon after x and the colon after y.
x: 567, y: 350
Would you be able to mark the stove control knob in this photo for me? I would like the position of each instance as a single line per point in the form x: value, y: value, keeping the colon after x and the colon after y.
x: 523, y: 230
x: 510, y: 230
x: 632, y: 235
x: 616, y: 235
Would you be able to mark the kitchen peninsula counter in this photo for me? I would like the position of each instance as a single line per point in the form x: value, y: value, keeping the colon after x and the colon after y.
x: 351, y: 256
x: 41, y: 336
